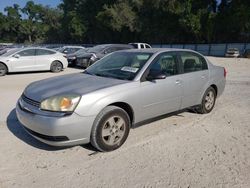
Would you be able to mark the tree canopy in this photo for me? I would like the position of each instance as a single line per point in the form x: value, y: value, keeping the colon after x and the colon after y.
x: 123, y: 21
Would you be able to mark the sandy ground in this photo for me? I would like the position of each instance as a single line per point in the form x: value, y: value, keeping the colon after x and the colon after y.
x: 183, y: 150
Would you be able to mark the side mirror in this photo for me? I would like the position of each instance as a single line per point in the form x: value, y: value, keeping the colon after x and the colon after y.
x: 16, y: 56
x: 156, y: 76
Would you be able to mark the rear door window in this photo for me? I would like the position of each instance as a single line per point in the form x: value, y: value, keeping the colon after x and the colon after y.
x: 44, y: 52
x: 192, y: 62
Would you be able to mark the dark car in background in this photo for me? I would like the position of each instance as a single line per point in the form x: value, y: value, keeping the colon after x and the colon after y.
x: 98, y: 52
x: 73, y: 56
x: 70, y: 49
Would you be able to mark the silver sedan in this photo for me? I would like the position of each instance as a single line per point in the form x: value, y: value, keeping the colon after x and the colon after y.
x: 101, y: 104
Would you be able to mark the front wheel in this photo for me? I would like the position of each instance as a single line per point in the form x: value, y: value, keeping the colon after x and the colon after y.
x: 208, y: 101
x: 56, y: 66
x: 3, y: 69
x: 110, y: 129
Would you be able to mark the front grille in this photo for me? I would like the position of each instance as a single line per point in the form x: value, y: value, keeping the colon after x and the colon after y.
x: 46, y: 137
x: 30, y: 101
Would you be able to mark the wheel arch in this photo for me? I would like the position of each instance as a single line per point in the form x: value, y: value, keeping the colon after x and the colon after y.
x: 215, y: 88
x: 5, y: 66
x: 56, y: 60
x: 126, y: 107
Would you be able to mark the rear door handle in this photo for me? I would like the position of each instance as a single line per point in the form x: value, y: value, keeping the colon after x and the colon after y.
x: 203, y: 76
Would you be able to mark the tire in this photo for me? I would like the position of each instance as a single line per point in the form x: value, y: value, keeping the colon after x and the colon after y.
x: 56, y: 66
x: 3, y: 69
x: 72, y: 64
x: 110, y: 129
x: 208, y: 101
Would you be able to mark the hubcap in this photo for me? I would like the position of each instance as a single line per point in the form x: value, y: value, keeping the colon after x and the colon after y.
x: 2, y: 70
x: 209, y: 100
x: 113, y: 130
x: 57, y: 67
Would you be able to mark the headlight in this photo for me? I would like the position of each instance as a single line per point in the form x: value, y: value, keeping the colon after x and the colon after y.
x: 72, y: 57
x: 93, y: 57
x: 63, y: 103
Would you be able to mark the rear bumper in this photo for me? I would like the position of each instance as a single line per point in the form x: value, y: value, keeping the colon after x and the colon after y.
x: 57, y: 131
x: 232, y: 55
x: 220, y: 87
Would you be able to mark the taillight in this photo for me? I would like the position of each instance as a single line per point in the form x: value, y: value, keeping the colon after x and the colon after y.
x: 225, y: 72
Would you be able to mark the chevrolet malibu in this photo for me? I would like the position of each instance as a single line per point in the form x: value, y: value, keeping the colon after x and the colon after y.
x: 32, y: 59
x: 101, y: 104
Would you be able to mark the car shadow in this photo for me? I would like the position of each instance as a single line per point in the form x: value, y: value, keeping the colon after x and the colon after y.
x: 28, y: 72
x: 16, y: 129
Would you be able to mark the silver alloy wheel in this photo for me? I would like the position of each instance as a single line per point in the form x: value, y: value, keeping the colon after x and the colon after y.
x: 209, y: 100
x: 113, y: 130
x: 2, y: 70
x: 56, y: 66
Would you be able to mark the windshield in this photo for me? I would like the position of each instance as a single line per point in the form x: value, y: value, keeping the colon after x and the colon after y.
x: 81, y: 51
x: 119, y: 65
x: 97, y: 49
x: 10, y: 52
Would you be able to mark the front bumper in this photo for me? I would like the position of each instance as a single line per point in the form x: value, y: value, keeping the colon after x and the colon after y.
x: 56, y: 131
x: 82, y: 62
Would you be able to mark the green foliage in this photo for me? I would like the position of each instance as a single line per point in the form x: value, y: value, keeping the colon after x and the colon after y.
x: 118, y: 21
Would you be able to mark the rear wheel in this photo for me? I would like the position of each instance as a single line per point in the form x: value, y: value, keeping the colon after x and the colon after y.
x: 110, y: 129
x: 3, y: 69
x: 56, y: 66
x: 208, y: 101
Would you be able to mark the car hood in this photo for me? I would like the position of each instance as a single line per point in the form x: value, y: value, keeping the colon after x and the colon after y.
x: 79, y: 83
x: 3, y: 58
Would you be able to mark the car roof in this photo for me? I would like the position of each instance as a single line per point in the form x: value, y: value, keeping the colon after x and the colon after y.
x: 157, y: 50
x: 73, y: 47
x: 27, y: 48
x: 115, y: 45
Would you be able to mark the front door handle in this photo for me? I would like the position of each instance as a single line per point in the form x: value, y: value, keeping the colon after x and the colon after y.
x: 203, y: 76
x: 177, y: 81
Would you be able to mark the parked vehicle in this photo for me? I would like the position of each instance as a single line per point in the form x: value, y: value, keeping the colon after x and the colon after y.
x: 32, y: 59
x: 5, y: 50
x: 70, y: 49
x: 101, y: 104
x: 72, y: 57
x: 246, y: 53
x: 140, y: 45
x: 98, y: 52
x: 233, y: 52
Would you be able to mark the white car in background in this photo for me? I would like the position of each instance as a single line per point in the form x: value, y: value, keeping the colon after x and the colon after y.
x: 232, y: 52
x: 32, y: 59
x: 140, y: 45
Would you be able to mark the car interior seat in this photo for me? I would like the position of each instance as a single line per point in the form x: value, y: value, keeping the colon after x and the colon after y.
x: 189, y: 65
